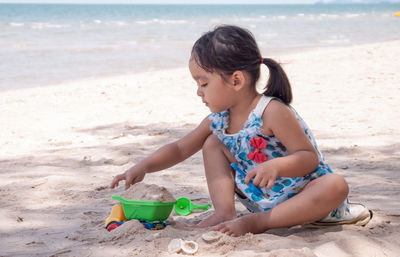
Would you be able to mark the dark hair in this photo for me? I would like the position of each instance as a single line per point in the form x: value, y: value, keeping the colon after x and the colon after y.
x: 228, y: 48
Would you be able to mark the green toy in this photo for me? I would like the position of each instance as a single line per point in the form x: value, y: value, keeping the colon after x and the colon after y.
x: 145, y: 210
x: 149, y: 212
x: 184, y: 206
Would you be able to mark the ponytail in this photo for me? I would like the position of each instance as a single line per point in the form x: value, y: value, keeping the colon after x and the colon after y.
x: 229, y: 48
x: 278, y: 84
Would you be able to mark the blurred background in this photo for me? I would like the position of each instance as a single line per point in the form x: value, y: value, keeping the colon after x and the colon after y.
x: 58, y: 41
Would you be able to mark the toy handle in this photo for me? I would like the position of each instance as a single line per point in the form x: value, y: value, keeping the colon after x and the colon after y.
x: 233, y: 165
x: 117, y: 197
x: 202, y: 207
x: 256, y: 190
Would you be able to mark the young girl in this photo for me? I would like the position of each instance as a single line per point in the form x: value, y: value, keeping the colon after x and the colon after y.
x: 262, y: 134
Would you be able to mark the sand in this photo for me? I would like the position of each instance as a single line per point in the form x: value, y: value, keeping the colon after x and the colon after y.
x: 148, y: 192
x: 61, y: 145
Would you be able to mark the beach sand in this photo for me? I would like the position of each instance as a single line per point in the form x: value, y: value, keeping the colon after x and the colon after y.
x: 61, y: 146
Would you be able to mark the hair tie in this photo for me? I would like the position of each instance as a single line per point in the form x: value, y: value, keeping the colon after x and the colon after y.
x: 262, y: 60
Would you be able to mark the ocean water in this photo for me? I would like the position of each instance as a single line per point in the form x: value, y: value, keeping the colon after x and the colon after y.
x: 44, y: 44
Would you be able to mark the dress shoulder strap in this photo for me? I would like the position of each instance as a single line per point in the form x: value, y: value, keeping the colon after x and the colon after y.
x: 261, y: 105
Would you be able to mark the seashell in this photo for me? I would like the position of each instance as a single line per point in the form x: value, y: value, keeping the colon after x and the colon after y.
x: 211, y: 236
x: 175, y: 245
x: 190, y: 247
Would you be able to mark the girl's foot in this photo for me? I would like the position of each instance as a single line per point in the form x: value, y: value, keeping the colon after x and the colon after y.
x: 214, y: 220
x: 240, y: 226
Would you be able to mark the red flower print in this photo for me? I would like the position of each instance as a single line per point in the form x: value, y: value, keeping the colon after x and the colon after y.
x: 258, y: 143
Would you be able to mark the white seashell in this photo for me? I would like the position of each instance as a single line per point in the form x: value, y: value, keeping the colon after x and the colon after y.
x: 190, y: 247
x: 175, y: 245
x: 211, y: 236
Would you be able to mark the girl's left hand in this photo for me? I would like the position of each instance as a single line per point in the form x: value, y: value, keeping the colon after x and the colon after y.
x: 264, y: 175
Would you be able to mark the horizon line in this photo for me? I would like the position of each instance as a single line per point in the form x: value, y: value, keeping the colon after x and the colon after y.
x: 106, y: 3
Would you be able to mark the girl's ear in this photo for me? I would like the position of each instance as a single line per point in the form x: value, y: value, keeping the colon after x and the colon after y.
x: 238, y: 80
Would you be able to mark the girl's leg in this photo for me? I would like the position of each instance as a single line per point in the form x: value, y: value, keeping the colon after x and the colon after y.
x: 315, y: 201
x: 220, y: 180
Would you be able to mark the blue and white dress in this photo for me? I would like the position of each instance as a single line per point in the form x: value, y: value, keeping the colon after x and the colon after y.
x: 240, y: 146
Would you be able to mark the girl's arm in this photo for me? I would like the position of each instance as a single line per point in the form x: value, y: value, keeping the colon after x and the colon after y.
x: 166, y: 156
x: 280, y: 121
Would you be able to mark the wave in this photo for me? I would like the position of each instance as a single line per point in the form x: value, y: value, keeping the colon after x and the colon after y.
x: 301, y: 17
x: 37, y: 25
x: 15, y: 24
x: 108, y: 23
x: 46, y: 25
x: 245, y: 19
x: 161, y: 21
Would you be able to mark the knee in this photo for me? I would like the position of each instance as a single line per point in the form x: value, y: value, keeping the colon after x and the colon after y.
x: 212, y: 146
x: 337, y: 186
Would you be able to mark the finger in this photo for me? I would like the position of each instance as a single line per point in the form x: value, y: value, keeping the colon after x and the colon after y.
x: 115, y: 181
x: 271, y: 183
x: 114, y: 184
x: 128, y: 182
x: 257, y: 180
x: 249, y: 176
x: 263, y: 182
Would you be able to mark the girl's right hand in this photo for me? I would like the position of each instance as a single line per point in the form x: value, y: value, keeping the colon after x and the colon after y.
x: 131, y: 176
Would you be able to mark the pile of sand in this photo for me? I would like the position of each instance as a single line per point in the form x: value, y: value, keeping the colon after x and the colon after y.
x: 146, y: 192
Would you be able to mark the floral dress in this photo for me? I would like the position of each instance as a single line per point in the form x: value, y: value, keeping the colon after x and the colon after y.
x: 250, y: 147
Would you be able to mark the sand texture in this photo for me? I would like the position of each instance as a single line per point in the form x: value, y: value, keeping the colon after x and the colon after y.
x: 60, y: 147
x: 146, y: 192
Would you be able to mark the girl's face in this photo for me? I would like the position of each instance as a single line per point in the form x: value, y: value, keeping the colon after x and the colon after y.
x: 213, y: 90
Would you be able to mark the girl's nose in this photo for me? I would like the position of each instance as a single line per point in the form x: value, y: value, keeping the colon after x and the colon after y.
x: 199, y: 92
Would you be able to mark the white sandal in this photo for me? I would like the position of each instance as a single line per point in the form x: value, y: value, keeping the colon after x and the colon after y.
x: 347, y: 213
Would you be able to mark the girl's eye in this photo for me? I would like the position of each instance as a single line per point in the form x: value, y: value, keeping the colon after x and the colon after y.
x: 204, y: 85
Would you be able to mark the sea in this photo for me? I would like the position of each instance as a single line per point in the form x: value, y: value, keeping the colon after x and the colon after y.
x: 48, y: 44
